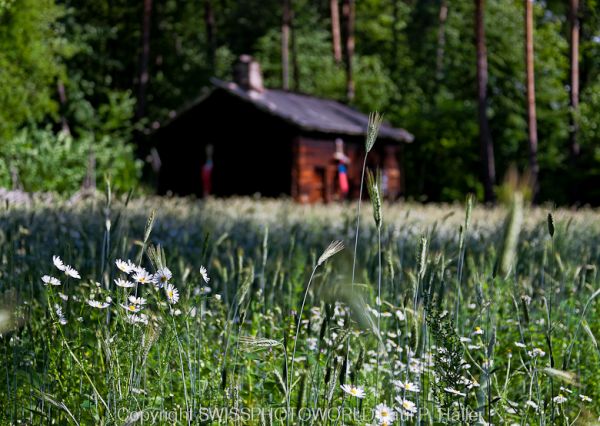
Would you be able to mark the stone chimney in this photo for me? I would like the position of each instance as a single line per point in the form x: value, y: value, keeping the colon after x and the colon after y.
x: 247, y: 75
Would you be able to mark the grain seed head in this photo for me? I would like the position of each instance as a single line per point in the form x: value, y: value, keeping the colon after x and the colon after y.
x: 333, y: 248
x: 375, y: 120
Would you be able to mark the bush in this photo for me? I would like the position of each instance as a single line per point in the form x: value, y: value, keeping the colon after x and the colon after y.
x: 37, y: 159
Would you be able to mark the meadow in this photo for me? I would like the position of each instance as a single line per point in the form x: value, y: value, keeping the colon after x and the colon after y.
x: 240, y: 311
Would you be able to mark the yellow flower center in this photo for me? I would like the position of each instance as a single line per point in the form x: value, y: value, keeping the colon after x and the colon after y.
x: 132, y: 307
x: 353, y: 391
x: 170, y: 293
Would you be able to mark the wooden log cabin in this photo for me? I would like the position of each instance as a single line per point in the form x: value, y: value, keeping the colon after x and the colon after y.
x: 272, y: 142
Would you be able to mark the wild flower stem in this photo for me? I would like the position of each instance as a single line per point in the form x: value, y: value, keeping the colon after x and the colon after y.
x: 79, y: 363
x: 378, y: 307
x: 298, y: 322
x: 185, y: 394
x: 362, y: 179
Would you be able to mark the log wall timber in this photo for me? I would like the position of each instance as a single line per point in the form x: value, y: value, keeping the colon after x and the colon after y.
x: 314, y: 171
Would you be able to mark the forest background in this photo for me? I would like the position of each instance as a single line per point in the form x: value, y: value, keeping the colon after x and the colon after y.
x: 482, y: 86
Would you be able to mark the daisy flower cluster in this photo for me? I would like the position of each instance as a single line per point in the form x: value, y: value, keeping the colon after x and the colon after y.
x: 383, y: 414
x: 140, y: 276
x: 69, y: 272
x: 134, y: 276
x: 564, y: 393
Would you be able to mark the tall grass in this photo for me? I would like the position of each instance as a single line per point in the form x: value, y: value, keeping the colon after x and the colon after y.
x: 466, y: 316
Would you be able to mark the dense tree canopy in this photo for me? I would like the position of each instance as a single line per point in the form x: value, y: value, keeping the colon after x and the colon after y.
x: 414, y: 60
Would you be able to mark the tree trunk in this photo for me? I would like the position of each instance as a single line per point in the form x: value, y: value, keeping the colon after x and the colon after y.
x: 531, y: 113
x: 144, y: 59
x: 574, y: 92
x: 395, y: 42
x: 294, y: 52
x: 485, y: 137
x: 348, y: 10
x: 210, y: 27
x: 285, y: 45
x: 441, y: 40
x: 335, y: 31
x: 62, y: 98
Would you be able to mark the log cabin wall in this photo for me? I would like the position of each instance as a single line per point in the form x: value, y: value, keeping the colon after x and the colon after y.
x: 314, y: 171
x: 392, y: 171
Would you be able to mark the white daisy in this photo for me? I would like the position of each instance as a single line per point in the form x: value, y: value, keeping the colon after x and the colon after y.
x: 384, y: 414
x: 356, y: 391
x: 59, y: 313
x: 454, y: 392
x: 478, y: 331
x: 58, y: 263
x: 97, y: 304
x: 520, y: 345
x: 126, y: 267
x: 162, y: 276
x: 408, y: 386
x: 137, y: 300
x: 585, y: 398
x: 63, y: 296
x: 131, y: 307
x: 124, y: 283
x: 536, y: 352
x: 47, y: 279
x: 531, y: 404
x: 172, y: 293
x: 559, y: 399
x: 135, y: 319
x: 142, y: 276
x: 407, y: 408
x: 204, y: 274
x: 71, y: 272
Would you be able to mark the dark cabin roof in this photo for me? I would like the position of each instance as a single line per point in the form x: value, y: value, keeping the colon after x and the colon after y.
x: 308, y: 113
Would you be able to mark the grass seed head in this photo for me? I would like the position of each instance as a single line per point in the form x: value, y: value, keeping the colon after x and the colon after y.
x: 333, y: 248
x: 375, y: 120
x: 374, y: 187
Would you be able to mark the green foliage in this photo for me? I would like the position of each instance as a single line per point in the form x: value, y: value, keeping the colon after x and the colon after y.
x: 41, y: 160
x: 406, y: 64
x: 317, y: 72
x: 32, y: 44
x: 319, y: 75
x: 448, y: 357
